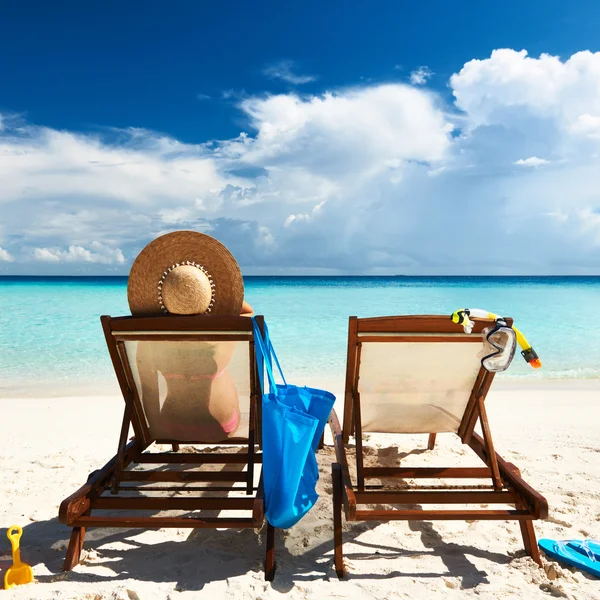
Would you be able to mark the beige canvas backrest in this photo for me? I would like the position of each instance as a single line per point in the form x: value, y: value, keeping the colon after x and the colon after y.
x: 411, y: 374
x: 186, y: 394
x: 188, y: 384
x: 418, y: 387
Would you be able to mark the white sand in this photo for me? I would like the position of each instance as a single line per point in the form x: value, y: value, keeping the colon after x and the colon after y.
x: 552, y: 432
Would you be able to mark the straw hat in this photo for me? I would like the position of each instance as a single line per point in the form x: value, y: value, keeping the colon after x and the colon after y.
x: 185, y: 273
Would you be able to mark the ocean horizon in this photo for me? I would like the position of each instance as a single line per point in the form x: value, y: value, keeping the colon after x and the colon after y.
x: 50, y: 333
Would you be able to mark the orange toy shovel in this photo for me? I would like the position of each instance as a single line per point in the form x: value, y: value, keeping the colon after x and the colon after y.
x: 19, y: 572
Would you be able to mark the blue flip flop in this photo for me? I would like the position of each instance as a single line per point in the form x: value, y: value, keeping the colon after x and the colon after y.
x: 590, y: 548
x: 576, y: 553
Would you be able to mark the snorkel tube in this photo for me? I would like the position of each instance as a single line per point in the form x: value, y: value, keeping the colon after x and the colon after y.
x: 461, y: 317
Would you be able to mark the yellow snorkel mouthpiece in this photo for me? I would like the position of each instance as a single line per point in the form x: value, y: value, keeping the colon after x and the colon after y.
x: 527, y: 351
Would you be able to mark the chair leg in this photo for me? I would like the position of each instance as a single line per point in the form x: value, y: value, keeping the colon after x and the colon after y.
x: 338, y: 550
x: 75, y: 547
x: 431, y: 441
x: 530, y: 541
x: 175, y: 447
x: 527, y: 530
x: 270, y: 553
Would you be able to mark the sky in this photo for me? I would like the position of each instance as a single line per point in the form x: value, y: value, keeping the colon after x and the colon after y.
x: 327, y: 138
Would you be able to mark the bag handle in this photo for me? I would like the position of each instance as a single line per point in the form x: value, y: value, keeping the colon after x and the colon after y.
x: 264, y: 348
x: 259, y: 347
x: 272, y: 353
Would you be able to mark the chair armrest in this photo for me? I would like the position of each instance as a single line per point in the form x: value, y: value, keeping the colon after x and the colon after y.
x: 340, y: 453
x: 80, y: 501
x: 531, y: 499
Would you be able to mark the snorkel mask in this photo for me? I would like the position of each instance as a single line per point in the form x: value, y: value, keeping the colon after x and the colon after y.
x: 499, y: 340
x: 499, y: 345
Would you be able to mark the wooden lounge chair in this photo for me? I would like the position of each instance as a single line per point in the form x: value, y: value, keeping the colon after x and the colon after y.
x: 421, y: 374
x: 139, y: 479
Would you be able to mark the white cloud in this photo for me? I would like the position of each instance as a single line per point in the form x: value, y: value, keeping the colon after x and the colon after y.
x: 296, y: 218
x: 304, y: 217
x: 174, y: 216
x: 532, y: 161
x: 420, y: 76
x: 508, y: 82
x: 203, y: 97
x: 588, y: 125
x: 284, y: 70
x: 5, y: 256
x: 590, y: 223
x: 371, y: 179
x: 558, y: 215
x: 265, y: 237
x: 99, y: 253
x: 358, y: 132
x: 139, y: 167
x: 46, y: 255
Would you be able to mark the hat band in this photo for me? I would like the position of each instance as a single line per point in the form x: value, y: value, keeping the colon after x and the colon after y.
x: 191, y: 264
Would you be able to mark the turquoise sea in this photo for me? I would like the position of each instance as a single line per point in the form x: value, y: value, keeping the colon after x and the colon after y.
x: 50, y: 334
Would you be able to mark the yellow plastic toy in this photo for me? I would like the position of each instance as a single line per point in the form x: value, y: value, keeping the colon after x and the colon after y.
x: 20, y: 572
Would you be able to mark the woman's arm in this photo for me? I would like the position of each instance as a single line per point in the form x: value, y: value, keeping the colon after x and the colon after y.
x: 149, y: 381
x: 247, y: 310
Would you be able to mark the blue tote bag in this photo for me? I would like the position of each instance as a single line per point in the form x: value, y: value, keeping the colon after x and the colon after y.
x: 293, y: 420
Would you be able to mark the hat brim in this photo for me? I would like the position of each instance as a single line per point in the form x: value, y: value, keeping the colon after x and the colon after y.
x: 178, y: 248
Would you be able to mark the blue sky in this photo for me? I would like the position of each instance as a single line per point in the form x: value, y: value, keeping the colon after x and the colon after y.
x: 310, y: 137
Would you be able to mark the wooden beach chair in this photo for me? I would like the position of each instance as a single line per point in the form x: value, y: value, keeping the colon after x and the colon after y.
x: 421, y: 374
x: 139, y: 478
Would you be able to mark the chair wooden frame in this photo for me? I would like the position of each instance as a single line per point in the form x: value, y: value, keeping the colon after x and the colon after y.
x: 105, y: 488
x: 506, y: 485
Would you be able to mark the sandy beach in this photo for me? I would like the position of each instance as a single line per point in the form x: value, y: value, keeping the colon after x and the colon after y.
x: 48, y: 447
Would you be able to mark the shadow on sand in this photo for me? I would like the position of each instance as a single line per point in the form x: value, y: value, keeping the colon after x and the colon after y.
x: 207, y: 555
x: 211, y: 555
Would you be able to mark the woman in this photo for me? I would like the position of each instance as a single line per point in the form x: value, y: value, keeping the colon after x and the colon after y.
x: 185, y: 388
